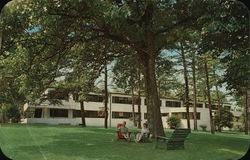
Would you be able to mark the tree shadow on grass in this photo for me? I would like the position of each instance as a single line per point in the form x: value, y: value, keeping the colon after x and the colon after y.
x: 93, y: 143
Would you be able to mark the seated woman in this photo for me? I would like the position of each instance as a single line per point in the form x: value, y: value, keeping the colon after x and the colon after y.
x: 123, y: 132
x: 144, y: 132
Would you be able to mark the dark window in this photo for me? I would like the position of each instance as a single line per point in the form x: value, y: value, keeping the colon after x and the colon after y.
x: 165, y: 114
x: 125, y: 115
x: 58, y: 113
x: 199, y: 105
x: 178, y: 114
x: 173, y: 104
x: 95, y: 98
x: 213, y: 106
x: 122, y: 100
x: 183, y: 115
x: 88, y: 114
x: 38, y: 113
x: 145, y: 116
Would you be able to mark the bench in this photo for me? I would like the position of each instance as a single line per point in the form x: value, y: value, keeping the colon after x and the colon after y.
x: 176, y: 141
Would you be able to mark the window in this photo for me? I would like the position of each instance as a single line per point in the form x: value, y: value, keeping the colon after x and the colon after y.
x: 183, y: 115
x: 198, y: 105
x: 145, y: 116
x: 165, y: 114
x: 58, y: 113
x: 173, y: 104
x: 178, y: 114
x: 38, y: 113
x: 122, y: 100
x: 95, y: 98
x: 88, y: 114
x: 125, y: 115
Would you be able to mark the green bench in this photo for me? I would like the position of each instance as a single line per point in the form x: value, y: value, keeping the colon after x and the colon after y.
x: 176, y: 141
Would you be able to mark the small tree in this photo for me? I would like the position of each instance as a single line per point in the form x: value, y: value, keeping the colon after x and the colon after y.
x: 226, y: 118
x: 173, y: 122
x: 12, y: 112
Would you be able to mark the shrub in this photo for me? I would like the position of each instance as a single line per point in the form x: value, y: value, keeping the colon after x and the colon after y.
x: 173, y: 122
x: 226, y: 118
x: 204, y: 127
x: 12, y: 112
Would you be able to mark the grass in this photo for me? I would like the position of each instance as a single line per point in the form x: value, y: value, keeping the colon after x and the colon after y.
x: 40, y: 142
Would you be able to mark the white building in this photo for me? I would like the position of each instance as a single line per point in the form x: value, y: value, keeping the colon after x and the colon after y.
x: 119, y: 110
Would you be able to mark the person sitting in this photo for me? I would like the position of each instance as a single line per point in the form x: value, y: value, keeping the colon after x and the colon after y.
x: 123, y: 132
x: 145, y: 133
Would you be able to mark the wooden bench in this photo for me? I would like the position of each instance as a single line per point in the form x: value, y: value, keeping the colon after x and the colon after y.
x: 176, y: 141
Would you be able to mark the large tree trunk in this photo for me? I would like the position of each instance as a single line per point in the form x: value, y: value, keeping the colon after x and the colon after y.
x: 133, y: 106
x: 195, y: 94
x: 82, y: 114
x: 246, y: 114
x: 106, y: 97
x: 209, y: 96
x: 185, y: 73
x: 153, y: 105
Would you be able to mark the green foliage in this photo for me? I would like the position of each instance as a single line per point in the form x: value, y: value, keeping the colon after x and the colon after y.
x: 226, y: 118
x: 173, y: 122
x: 125, y: 72
x: 12, y: 112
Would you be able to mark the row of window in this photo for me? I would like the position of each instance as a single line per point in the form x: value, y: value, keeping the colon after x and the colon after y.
x: 128, y: 100
x: 183, y: 115
x: 101, y: 114
x: 215, y: 107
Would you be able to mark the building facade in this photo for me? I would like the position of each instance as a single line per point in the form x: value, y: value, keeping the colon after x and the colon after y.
x: 119, y: 110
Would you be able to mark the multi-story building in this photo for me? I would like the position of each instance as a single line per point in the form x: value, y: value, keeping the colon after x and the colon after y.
x: 119, y: 110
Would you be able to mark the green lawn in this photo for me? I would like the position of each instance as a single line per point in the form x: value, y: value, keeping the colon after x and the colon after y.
x: 26, y: 142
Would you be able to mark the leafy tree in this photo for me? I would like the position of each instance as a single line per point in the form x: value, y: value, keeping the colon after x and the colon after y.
x: 146, y: 27
x: 223, y: 118
x: 12, y: 112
